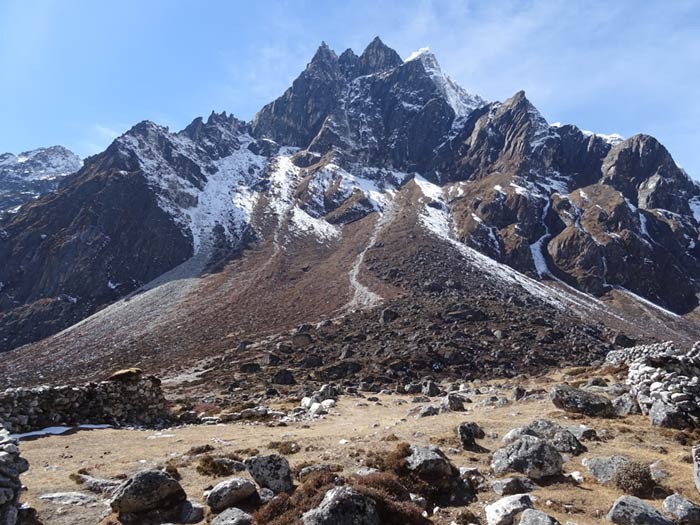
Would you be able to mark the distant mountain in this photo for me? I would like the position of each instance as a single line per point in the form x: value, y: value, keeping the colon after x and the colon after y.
x: 30, y: 174
x: 371, y: 179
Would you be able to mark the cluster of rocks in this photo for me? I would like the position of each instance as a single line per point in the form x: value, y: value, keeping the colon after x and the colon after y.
x: 664, y: 381
x: 154, y: 496
x: 320, y: 402
x: 11, y: 466
x: 128, y: 399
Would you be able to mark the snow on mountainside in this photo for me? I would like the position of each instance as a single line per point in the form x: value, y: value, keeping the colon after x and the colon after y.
x: 30, y: 174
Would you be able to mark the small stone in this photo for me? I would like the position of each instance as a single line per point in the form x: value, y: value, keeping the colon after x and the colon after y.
x: 510, y: 486
x: 233, y: 516
x: 229, y: 492
x: 503, y: 511
x: 535, y: 517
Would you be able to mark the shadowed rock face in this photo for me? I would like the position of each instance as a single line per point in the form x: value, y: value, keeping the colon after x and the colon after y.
x: 339, y: 145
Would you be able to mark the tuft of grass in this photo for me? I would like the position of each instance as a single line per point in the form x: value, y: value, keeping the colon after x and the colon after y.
x: 634, y: 478
x: 199, y: 449
x: 285, y: 448
x: 215, y: 466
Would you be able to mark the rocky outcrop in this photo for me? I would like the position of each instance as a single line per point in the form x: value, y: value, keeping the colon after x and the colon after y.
x: 573, y: 399
x: 136, y: 402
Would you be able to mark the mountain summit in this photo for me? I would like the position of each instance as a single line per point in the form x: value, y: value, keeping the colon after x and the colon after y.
x: 370, y: 181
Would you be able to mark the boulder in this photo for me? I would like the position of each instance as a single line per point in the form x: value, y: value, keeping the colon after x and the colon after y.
x: 271, y: 471
x: 233, y: 516
x: 529, y: 455
x: 430, y: 388
x: 624, y: 405
x: 283, y: 377
x: 562, y: 439
x: 145, y: 491
x: 603, y: 468
x: 468, y: 433
x: 429, y: 464
x: 343, y: 506
x: 579, y: 401
x: 684, y: 511
x: 388, y: 315
x: 628, y: 510
x: 229, y: 492
x: 503, y: 511
x: 535, y: 517
x: 668, y: 416
x: 452, y: 402
x: 510, y: 486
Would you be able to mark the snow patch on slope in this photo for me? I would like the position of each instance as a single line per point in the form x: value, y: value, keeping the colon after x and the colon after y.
x: 437, y: 220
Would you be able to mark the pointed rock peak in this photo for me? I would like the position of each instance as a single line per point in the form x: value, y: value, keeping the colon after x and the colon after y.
x: 378, y: 57
x: 324, y: 54
x: 348, y: 54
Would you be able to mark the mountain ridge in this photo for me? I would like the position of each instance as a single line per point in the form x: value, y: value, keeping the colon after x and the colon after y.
x: 326, y: 170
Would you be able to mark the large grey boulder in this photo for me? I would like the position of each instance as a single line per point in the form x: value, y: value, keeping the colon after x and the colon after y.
x: 579, y: 401
x: 529, y: 455
x: 668, y: 416
x: 343, y: 506
x: 561, y: 438
x: 628, y: 510
x: 684, y: 511
x: 603, y: 468
x: 146, y: 491
x: 503, y: 511
x: 271, y: 471
x: 535, y: 517
x: 229, y: 492
x: 429, y: 463
x: 233, y: 516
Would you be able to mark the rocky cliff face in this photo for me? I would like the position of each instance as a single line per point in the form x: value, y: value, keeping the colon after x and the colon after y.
x: 30, y: 174
x: 356, y: 147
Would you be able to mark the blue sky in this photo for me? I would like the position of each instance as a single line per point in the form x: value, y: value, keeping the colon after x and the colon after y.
x: 79, y: 72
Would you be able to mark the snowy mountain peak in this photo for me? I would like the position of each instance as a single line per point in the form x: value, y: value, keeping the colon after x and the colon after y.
x: 30, y: 174
x: 461, y: 101
x: 40, y: 163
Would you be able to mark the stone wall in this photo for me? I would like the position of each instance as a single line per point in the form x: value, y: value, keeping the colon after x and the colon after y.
x: 11, y: 466
x: 137, y: 401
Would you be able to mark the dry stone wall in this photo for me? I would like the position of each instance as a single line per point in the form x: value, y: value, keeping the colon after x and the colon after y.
x: 137, y: 401
x: 11, y: 466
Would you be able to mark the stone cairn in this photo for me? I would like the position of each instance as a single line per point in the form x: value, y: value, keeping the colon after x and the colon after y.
x: 125, y: 399
x: 665, y: 382
x: 11, y: 466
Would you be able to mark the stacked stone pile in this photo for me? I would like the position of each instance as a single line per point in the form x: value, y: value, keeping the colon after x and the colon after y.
x: 664, y: 380
x: 135, y: 401
x: 11, y: 466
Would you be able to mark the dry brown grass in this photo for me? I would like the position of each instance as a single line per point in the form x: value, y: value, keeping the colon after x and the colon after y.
x: 112, y: 452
